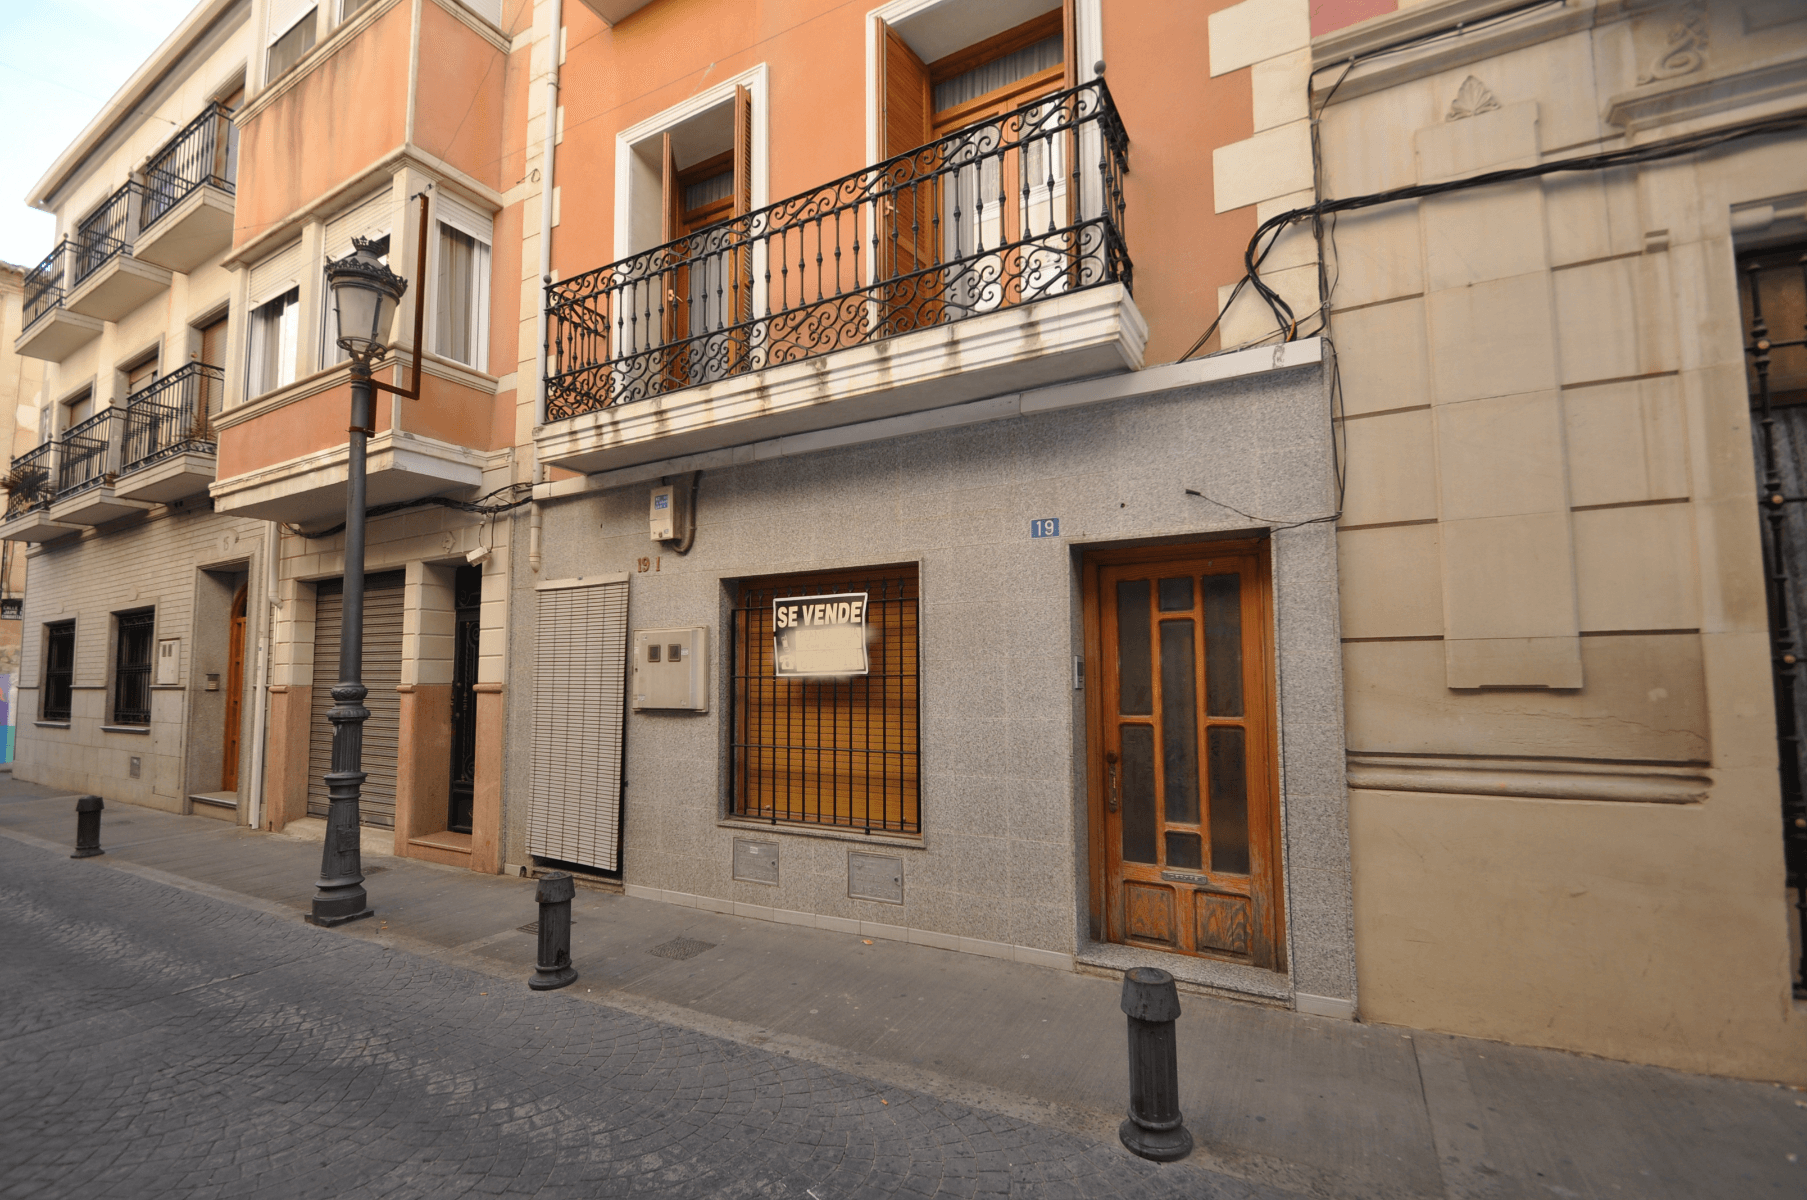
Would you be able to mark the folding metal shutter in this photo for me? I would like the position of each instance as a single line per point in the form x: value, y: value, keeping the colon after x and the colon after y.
x: 382, y: 672
x: 579, y: 686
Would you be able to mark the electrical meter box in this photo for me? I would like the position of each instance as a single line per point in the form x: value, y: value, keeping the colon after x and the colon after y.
x: 670, y: 669
x: 667, y: 512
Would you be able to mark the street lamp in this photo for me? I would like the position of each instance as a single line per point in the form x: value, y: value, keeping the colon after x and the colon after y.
x: 365, y: 293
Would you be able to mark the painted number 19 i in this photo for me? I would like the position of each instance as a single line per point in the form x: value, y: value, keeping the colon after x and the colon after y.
x: 1045, y: 527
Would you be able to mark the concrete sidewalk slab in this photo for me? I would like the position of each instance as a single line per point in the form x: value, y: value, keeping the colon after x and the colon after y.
x: 1319, y: 1107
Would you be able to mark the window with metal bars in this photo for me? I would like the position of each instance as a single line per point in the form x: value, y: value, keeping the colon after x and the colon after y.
x: 839, y: 751
x: 59, y: 669
x: 132, y: 668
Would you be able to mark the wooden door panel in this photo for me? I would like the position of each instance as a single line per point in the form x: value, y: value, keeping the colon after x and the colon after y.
x: 1148, y: 913
x: 1180, y: 732
x: 1222, y: 922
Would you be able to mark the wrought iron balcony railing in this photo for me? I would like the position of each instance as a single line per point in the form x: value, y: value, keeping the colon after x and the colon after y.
x: 105, y: 233
x: 28, y: 481
x: 46, y: 284
x: 1015, y: 209
x: 171, y: 416
x: 84, y: 460
x: 203, y: 154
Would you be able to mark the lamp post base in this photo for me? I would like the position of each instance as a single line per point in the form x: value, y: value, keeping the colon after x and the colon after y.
x: 328, y: 922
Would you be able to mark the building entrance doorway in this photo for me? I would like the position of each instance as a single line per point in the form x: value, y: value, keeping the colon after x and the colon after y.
x: 467, y: 600
x: 235, y: 689
x: 1185, y: 847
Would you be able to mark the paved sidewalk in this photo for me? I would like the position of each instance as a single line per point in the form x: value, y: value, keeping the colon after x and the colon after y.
x: 1282, y: 1101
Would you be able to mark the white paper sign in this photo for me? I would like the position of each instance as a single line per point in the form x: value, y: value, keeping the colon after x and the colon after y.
x: 819, y: 635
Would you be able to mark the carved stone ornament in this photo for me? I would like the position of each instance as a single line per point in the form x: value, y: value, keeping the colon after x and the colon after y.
x: 1472, y: 99
x: 1685, y: 45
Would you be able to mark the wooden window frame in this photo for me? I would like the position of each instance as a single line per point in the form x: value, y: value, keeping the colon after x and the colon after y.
x: 805, y: 803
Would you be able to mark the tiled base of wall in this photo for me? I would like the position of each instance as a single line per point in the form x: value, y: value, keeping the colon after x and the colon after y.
x: 872, y: 929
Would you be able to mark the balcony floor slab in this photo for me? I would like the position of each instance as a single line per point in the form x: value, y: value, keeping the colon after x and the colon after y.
x: 35, y: 526
x: 195, y: 230
x: 1065, y: 338
x: 95, y: 506
x: 116, y: 287
x: 310, y: 490
x: 174, y: 478
x: 57, y: 334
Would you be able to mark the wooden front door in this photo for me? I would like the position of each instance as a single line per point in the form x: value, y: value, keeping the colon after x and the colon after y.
x: 235, y: 687
x: 1184, y: 818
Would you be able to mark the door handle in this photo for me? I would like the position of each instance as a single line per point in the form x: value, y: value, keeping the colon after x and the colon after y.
x: 1110, y: 763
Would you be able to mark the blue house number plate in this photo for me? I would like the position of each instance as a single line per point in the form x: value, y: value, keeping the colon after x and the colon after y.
x: 1045, y: 527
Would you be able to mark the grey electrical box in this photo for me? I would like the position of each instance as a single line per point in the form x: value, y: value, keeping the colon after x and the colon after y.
x: 670, y: 669
x: 670, y: 512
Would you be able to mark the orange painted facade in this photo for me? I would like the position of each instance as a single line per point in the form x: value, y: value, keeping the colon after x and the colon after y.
x: 815, y: 52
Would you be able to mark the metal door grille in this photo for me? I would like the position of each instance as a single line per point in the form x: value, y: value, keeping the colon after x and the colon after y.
x: 1775, y: 292
x: 841, y: 752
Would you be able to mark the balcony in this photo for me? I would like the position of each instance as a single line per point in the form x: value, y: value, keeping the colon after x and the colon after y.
x: 987, y: 262
x: 106, y: 281
x: 168, y: 449
x: 48, y: 330
x: 186, y: 212
x: 86, y: 472
x: 29, y: 491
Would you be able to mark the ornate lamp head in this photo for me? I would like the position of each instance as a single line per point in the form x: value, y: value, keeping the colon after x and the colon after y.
x: 365, y: 293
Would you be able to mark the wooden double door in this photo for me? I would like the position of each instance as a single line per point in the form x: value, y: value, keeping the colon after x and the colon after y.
x: 1184, y: 818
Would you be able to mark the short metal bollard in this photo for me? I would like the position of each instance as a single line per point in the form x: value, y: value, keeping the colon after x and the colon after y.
x: 554, y: 969
x: 1154, y: 1128
x: 87, y: 827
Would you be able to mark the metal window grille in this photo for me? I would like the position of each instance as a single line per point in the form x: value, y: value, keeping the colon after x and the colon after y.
x: 59, y: 669
x: 841, y: 752
x: 132, y: 669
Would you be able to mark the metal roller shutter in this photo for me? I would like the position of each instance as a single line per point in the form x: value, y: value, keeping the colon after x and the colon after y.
x: 382, y: 673
x: 579, y: 686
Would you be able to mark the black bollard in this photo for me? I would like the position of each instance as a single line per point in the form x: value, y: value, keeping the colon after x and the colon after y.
x: 1153, y: 1130
x: 87, y: 827
x: 554, y: 969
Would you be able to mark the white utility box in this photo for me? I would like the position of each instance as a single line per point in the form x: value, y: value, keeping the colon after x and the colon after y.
x: 670, y: 519
x: 670, y: 669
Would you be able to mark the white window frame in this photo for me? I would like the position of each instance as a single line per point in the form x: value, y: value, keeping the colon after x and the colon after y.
x: 269, y: 279
x: 336, y: 244
x: 1088, y: 39
x: 288, y: 327
x: 309, y: 11
x: 755, y: 80
x: 454, y: 214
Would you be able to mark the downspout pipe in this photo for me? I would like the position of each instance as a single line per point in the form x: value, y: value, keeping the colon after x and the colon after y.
x: 554, y: 53
x: 266, y: 649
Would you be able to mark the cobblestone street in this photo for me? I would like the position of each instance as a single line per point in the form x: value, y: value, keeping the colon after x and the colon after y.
x: 157, y: 1042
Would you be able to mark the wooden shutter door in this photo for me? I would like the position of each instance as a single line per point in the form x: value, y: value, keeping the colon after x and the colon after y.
x: 579, y: 686
x: 907, y: 206
x: 382, y: 674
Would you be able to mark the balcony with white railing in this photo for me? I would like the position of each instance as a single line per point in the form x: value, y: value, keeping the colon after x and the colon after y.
x: 986, y: 262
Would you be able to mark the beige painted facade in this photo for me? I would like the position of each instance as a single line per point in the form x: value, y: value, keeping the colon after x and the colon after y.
x: 1564, y: 815
x: 21, y: 382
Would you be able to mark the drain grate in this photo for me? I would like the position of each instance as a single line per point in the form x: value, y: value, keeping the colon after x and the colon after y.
x: 533, y: 927
x: 682, y: 948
